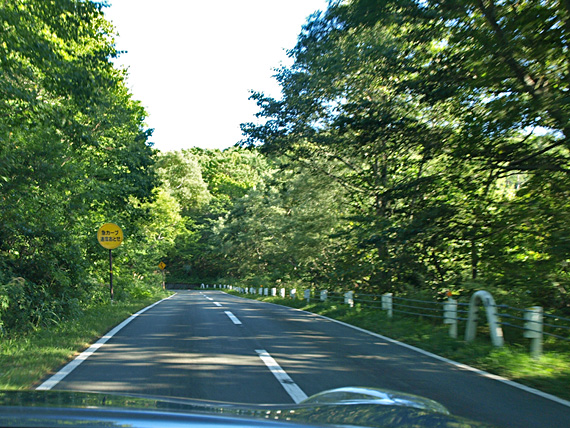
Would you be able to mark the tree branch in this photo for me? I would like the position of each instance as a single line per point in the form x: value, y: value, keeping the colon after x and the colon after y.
x: 505, y: 52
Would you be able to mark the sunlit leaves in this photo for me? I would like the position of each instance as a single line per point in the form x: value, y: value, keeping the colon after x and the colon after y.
x: 73, y: 145
x: 439, y: 119
x: 182, y: 176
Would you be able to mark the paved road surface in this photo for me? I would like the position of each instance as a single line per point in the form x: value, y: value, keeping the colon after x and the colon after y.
x: 214, y: 346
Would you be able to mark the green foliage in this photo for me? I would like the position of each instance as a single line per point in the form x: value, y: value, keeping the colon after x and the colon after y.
x: 280, y: 231
x: 73, y: 155
x: 138, y: 287
x: 222, y: 178
x: 445, y: 125
x: 14, y: 308
x: 182, y: 176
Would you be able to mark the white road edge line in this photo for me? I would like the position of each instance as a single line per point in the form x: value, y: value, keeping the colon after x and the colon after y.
x: 286, y: 382
x: 437, y: 357
x: 69, y: 367
x: 233, y: 318
x: 461, y: 365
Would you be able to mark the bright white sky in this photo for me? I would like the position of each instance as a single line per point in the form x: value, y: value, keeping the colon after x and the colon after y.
x: 192, y: 63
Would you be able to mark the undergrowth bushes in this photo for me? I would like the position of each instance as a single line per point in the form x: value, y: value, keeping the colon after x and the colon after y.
x: 27, y: 306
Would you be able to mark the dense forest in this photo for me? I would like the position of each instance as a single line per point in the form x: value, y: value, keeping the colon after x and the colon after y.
x: 417, y: 146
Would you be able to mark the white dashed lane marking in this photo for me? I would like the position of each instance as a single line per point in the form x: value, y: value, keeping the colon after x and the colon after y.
x: 286, y: 382
x: 233, y: 318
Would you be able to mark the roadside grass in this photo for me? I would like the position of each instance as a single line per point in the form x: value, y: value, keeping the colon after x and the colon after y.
x: 27, y: 359
x: 550, y: 373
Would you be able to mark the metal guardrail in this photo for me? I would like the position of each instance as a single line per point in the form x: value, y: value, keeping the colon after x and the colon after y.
x: 532, y: 321
x: 505, y: 315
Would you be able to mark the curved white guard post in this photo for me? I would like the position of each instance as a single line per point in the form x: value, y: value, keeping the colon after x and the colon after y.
x: 489, y: 304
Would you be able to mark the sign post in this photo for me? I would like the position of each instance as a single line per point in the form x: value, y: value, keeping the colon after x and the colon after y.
x: 162, y: 266
x: 110, y: 236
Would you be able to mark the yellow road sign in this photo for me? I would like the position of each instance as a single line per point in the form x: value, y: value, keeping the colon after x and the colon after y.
x: 110, y: 236
x: 161, y: 265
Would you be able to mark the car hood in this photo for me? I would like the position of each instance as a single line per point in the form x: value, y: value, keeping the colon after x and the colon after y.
x: 355, y: 406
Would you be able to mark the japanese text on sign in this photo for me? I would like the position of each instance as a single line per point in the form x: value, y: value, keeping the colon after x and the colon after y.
x: 110, y: 236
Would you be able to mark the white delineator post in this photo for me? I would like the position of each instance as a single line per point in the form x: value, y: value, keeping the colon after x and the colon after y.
x: 387, y: 303
x: 533, y: 329
x: 349, y: 298
x: 450, y: 316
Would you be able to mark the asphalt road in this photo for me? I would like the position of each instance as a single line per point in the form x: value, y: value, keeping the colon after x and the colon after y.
x: 214, y: 346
